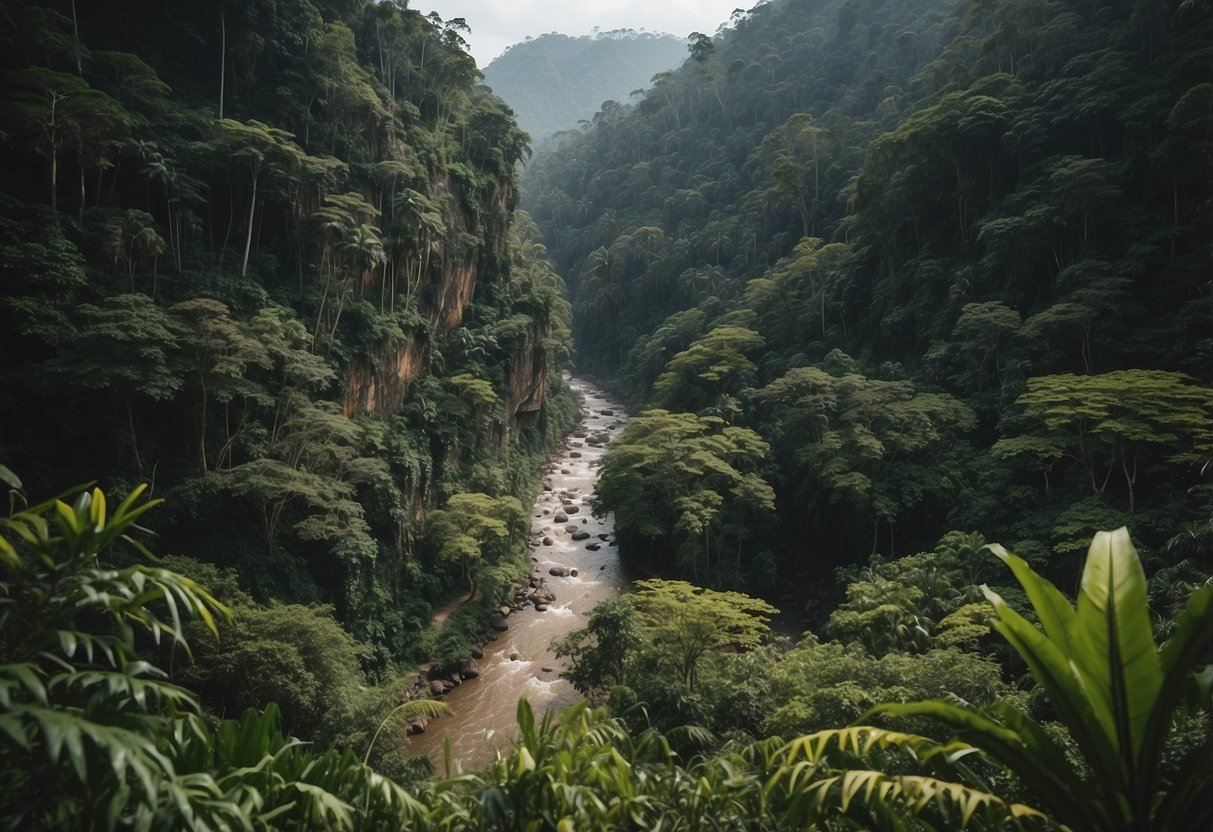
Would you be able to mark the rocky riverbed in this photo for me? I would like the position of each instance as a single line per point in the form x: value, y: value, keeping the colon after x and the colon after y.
x: 575, y: 565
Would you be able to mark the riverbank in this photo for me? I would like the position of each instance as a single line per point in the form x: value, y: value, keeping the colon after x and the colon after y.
x: 574, y: 566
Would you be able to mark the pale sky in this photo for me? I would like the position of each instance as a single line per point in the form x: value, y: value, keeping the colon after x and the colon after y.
x: 497, y: 24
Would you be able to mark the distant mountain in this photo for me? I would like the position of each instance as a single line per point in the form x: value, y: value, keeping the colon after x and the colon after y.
x: 553, y: 81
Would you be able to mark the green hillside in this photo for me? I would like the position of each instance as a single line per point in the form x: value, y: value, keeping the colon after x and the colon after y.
x: 949, y: 260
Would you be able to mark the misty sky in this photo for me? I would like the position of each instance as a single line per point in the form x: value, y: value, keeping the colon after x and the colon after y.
x: 497, y: 24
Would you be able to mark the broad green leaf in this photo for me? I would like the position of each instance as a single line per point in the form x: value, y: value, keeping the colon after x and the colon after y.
x: 1054, y: 671
x: 1055, y: 612
x: 9, y: 478
x: 1114, y: 646
x: 1193, y: 632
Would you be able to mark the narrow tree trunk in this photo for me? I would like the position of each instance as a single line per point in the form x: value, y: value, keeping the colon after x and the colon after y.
x: 248, y: 240
x: 76, y: 34
x: 130, y: 422
x: 55, y: 184
x: 222, y: 57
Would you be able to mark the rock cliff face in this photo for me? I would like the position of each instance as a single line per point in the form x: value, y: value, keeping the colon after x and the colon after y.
x: 475, y: 249
x: 527, y: 379
x: 380, y: 384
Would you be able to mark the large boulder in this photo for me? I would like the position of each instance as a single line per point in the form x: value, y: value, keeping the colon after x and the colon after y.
x: 559, y: 571
x: 497, y: 622
x: 470, y: 669
x: 561, y: 517
x: 570, y: 508
x: 580, y: 535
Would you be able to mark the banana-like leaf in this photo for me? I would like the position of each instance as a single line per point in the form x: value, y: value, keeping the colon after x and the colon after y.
x: 1193, y: 632
x: 1053, y: 670
x: 1114, y: 646
x: 1054, y: 610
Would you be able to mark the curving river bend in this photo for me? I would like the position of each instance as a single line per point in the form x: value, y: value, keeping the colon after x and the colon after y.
x: 484, y: 708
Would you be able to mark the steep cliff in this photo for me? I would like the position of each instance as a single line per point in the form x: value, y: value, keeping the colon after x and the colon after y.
x: 473, y: 249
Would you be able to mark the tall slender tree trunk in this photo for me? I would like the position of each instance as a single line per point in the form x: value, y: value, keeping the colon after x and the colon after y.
x: 55, y: 184
x: 222, y: 57
x: 248, y: 240
x: 130, y: 422
x: 76, y: 34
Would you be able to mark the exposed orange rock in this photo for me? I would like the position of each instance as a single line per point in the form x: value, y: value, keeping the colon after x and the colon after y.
x: 381, y: 384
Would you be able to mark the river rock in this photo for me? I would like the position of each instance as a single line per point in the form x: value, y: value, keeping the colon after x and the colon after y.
x: 594, y: 547
x: 604, y: 537
x: 572, y: 573
x: 514, y: 656
x: 570, y: 528
x: 477, y: 653
x: 541, y: 608
x: 437, y: 688
x: 547, y: 669
x: 600, y: 438
x: 415, y: 727
x: 607, y: 412
x: 561, y: 517
x: 504, y: 610
x: 565, y: 471
x: 498, y: 622
x: 580, y: 535
x: 574, y: 454
x: 559, y: 571
x: 547, y: 541
x: 470, y: 670
x: 571, y: 509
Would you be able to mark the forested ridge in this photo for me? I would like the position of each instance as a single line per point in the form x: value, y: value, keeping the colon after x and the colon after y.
x: 949, y: 261
x: 887, y: 281
x: 263, y: 257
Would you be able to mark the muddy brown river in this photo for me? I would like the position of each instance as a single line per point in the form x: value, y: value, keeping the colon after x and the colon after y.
x: 484, y: 708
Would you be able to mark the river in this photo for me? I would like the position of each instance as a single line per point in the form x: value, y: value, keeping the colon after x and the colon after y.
x: 484, y: 708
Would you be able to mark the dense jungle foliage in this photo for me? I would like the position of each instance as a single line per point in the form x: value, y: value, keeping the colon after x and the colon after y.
x: 232, y: 236
x: 888, y: 280
x: 917, y: 266
x: 554, y: 81
x: 95, y: 737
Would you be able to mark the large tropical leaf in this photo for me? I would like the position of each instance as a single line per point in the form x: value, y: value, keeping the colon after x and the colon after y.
x: 1054, y: 671
x: 1114, y: 646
